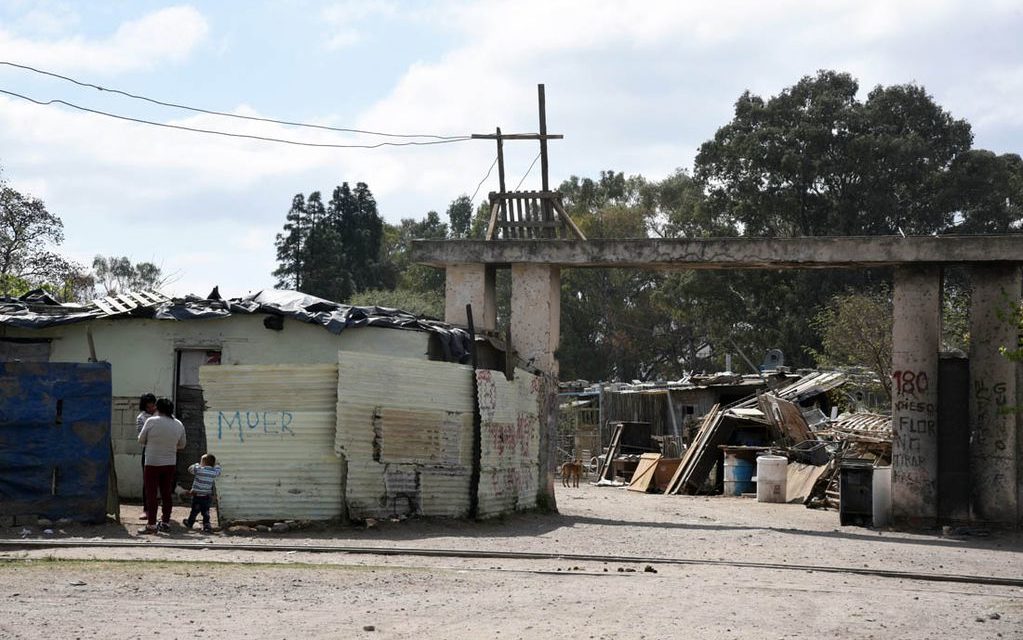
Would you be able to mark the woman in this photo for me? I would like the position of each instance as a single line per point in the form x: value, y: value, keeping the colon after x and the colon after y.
x: 147, y: 409
x: 163, y: 436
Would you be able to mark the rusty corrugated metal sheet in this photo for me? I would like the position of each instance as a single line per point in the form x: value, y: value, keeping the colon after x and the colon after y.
x: 405, y: 428
x: 272, y: 429
x: 510, y: 464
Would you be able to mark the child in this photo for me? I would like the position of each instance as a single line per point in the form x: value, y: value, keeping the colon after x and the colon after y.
x: 205, y: 471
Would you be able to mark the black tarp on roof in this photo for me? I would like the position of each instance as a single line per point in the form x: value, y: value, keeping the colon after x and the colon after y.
x: 32, y: 311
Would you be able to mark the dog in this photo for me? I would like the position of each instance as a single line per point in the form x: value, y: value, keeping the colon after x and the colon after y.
x: 570, y: 472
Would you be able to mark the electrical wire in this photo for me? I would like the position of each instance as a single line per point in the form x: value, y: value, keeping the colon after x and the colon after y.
x: 527, y: 172
x: 480, y: 185
x: 225, y: 114
x: 238, y: 135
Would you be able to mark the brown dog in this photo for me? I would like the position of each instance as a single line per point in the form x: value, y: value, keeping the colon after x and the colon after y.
x: 571, y: 471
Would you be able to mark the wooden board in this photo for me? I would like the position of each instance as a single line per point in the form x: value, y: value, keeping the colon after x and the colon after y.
x: 801, y: 480
x: 786, y: 418
x: 612, y: 452
x: 643, y: 477
x: 690, y: 453
x: 665, y: 471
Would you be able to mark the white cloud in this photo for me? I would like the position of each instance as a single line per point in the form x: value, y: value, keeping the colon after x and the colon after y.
x: 345, y: 20
x: 635, y: 87
x: 169, y: 34
x: 646, y: 83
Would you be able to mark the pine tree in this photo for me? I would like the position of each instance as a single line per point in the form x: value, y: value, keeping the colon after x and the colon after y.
x: 291, y: 246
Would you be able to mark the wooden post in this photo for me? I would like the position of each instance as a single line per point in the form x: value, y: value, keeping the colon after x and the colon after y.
x: 500, y: 160
x: 544, y: 176
x: 502, y: 205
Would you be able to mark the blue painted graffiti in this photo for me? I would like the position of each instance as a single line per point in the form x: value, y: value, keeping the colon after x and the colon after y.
x: 254, y: 422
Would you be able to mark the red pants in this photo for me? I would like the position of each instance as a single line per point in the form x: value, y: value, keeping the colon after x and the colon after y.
x: 159, y: 478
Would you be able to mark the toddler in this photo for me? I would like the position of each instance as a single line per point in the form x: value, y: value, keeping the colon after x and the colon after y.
x: 205, y: 471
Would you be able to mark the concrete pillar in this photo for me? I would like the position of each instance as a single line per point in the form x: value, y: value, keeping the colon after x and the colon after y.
x: 916, y: 335
x: 473, y: 284
x: 536, y: 314
x: 1019, y: 447
x: 993, y: 444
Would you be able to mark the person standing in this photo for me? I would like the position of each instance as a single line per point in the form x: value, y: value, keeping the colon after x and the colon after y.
x: 147, y: 409
x: 163, y: 436
x: 206, y: 472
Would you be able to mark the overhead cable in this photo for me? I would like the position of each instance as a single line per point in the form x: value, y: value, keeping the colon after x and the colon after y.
x: 527, y: 172
x: 480, y: 185
x: 224, y: 113
x: 407, y: 143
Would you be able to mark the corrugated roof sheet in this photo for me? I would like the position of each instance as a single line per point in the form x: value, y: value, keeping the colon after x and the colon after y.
x: 864, y: 422
x: 272, y: 429
x: 510, y: 464
x: 405, y: 427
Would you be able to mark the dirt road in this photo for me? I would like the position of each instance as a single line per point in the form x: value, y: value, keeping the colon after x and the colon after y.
x: 230, y: 592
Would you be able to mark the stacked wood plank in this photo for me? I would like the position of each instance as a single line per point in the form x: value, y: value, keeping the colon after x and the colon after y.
x: 700, y: 457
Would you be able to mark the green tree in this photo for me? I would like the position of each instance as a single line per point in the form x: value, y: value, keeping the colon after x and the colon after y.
x: 460, y: 216
x: 397, y: 246
x: 421, y: 303
x: 118, y: 275
x: 611, y: 326
x: 480, y: 221
x: 291, y: 246
x: 987, y: 190
x: 28, y: 236
x: 856, y: 330
x: 815, y: 160
x: 333, y: 251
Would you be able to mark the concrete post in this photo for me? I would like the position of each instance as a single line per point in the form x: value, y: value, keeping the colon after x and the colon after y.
x: 536, y: 314
x: 473, y: 284
x: 916, y: 336
x: 993, y: 464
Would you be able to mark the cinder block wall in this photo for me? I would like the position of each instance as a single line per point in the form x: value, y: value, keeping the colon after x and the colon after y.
x: 127, y: 452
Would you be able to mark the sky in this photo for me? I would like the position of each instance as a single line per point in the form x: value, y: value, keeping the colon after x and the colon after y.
x: 633, y: 86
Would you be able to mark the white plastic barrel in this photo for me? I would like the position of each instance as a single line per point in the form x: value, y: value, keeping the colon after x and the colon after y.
x: 882, y: 496
x: 772, y: 476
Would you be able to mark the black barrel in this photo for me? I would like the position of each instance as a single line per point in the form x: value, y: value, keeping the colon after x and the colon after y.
x: 855, y: 486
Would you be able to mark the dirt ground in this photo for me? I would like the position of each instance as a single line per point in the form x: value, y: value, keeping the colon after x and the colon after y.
x: 215, y: 589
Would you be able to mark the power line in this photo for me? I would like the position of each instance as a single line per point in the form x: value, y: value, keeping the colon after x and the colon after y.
x: 531, y: 164
x: 483, y: 180
x: 238, y: 135
x: 224, y: 113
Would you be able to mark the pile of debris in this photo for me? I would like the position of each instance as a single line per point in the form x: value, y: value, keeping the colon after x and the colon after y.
x: 797, y: 421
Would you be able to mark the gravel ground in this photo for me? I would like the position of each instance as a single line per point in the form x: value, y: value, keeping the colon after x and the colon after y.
x: 135, y: 592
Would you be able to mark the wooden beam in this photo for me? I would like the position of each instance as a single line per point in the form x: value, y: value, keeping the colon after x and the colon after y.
x: 567, y: 220
x: 518, y: 136
x: 525, y: 195
x: 493, y: 220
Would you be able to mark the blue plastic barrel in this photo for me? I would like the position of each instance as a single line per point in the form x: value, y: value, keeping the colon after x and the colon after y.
x: 738, y: 476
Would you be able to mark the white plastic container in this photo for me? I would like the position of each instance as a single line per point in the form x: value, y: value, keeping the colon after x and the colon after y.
x: 772, y: 478
x: 881, y: 499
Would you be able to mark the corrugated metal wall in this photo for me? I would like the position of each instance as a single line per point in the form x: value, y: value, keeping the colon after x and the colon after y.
x: 405, y: 428
x: 55, y: 440
x: 272, y: 429
x: 510, y: 466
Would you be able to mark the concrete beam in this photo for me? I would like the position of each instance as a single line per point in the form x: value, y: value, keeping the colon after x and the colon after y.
x: 993, y: 455
x: 536, y: 314
x: 473, y: 284
x: 726, y: 253
x: 915, y: 344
